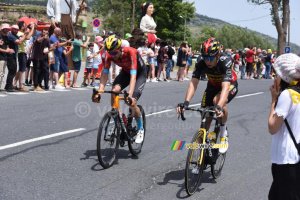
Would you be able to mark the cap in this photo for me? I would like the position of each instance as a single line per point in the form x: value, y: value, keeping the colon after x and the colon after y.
x: 98, y: 39
x: 14, y: 27
x: 127, y: 35
x: 287, y: 66
x: 246, y: 49
x: 269, y: 50
x: 5, y: 26
x: 258, y: 50
x: 110, y: 33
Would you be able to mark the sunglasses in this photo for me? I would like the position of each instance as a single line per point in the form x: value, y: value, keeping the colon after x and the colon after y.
x: 113, y: 53
x: 209, y: 58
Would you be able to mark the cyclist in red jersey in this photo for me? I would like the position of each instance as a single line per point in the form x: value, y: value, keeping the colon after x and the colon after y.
x: 134, y: 74
x: 222, y: 84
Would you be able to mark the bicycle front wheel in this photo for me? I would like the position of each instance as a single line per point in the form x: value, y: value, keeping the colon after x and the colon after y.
x: 194, y: 165
x: 135, y: 148
x: 108, y: 140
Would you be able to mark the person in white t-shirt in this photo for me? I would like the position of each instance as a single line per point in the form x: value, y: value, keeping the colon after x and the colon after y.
x: 97, y: 61
x: 285, y: 106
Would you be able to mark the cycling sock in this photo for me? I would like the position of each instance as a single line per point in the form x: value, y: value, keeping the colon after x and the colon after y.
x: 223, y: 131
x: 139, y: 124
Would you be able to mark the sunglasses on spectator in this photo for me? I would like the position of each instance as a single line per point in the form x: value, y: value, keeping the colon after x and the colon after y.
x: 113, y: 53
x: 211, y: 58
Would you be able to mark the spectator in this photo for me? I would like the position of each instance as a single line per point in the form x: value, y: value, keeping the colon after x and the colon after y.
x: 189, y: 62
x: 285, y: 107
x: 97, y: 60
x: 267, y: 57
x: 4, y: 50
x: 181, y: 60
x: 249, y: 58
x: 260, y: 59
x: 162, y: 60
x: 76, y: 55
x: 128, y: 36
x: 145, y: 52
x: 64, y: 63
x: 39, y: 66
x: 243, y: 61
x: 148, y: 24
x: 236, y: 67
x: 170, y: 53
x: 157, y: 47
x: 151, y: 73
x: 55, y: 68
x: 89, y: 65
x: 13, y: 42
x: 22, y: 55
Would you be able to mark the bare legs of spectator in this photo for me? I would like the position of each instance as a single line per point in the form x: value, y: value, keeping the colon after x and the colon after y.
x: 75, y: 79
x: 186, y: 72
x: 2, y: 71
x: 151, y: 72
x: 180, y: 73
x: 162, y: 67
x: 87, y: 77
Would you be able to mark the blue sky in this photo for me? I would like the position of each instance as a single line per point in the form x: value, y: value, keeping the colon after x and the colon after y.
x: 238, y: 11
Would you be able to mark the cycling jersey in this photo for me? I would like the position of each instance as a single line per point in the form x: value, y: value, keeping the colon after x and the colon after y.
x: 130, y: 62
x: 221, y: 73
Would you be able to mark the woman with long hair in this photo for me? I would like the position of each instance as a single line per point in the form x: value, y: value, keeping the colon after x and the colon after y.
x: 148, y: 24
x: 181, y: 60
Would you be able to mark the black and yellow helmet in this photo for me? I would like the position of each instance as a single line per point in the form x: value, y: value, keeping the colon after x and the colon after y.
x: 112, y: 43
x: 210, y: 47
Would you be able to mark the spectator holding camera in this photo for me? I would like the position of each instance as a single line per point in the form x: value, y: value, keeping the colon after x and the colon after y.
x: 284, y: 126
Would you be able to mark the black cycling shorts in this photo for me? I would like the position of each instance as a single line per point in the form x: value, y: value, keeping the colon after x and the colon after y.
x: 212, y: 91
x: 123, y: 80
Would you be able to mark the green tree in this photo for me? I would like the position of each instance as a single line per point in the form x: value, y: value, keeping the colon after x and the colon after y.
x: 280, y: 22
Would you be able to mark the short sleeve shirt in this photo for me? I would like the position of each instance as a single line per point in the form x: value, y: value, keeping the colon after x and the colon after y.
x: 221, y: 73
x: 22, y: 47
x: 3, y: 56
x: 249, y: 56
x: 283, y: 149
x: 76, y: 54
x: 89, y: 62
x: 11, y: 43
x: 58, y: 51
x: 38, y: 48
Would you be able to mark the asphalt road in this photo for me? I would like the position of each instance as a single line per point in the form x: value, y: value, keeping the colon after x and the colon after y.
x: 66, y: 166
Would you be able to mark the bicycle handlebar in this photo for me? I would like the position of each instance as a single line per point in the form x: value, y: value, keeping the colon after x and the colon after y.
x: 201, y: 110
x: 125, y: 93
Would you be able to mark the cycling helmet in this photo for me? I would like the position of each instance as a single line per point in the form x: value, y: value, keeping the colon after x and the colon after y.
x: 112, y: 43
x: 210, y: 47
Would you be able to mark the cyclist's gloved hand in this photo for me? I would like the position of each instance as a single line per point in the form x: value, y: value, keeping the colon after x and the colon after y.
x: 182, y: 106
x: 220, y: 111
x: 128, y: 100
x: 96, y: 97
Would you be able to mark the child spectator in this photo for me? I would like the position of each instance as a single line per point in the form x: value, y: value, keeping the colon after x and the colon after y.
x: 89, y: 65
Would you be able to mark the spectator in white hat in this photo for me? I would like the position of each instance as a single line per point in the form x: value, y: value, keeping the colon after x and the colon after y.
x: 285, y: 112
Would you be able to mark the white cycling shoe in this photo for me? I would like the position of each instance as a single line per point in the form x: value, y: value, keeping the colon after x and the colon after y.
x: 224, y: 144
x: 139, y: 137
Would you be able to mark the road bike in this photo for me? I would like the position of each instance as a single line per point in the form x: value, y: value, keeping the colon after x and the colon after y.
x: 202, y: 153
x: 116, y: 129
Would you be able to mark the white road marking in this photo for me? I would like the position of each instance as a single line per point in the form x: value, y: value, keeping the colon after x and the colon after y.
x: 45, y: 92
x: 248, y: 95
x: 80, y: 89
x: 63, y: 90
x: 19, y: 93
x: 40, y: 138
x: 3, y: 95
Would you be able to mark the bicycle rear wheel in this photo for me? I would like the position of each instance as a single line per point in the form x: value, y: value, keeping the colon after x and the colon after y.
x: 108, y: 140
x: 194, y: 165
x: 135, y: 148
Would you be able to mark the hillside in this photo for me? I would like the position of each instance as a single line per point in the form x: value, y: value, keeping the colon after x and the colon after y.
x: 201, y: 20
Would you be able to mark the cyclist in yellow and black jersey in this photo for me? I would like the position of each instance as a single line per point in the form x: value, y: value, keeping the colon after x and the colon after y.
x: 222, y: 84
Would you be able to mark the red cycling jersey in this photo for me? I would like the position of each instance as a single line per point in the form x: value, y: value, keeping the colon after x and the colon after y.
x: 130, y: 60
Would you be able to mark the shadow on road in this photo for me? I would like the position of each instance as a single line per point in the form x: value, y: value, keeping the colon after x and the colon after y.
x: 92, y: 155
x: 174, y: 177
